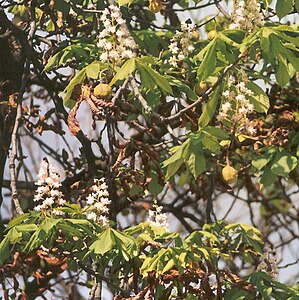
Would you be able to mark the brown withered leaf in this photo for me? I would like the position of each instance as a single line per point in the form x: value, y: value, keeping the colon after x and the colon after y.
x: 120, y: 158
x: 239, y: 282
x: 140, y: 295
x: 73, y: 123
x: 59, y: 21
x: 93, y: 107
x: 100, y: 102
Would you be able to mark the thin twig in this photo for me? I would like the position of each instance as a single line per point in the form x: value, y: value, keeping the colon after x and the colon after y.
x: 13, y: 152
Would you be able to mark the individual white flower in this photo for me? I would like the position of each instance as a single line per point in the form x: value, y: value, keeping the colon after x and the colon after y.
x: 55, y: 193
x: 190, y: 48
x: 57, y: 212
x: 221, y: 116
x: 115, y: 14
x: 107, y: 23
x: 226, y: 94
x: 120, y: 21
x: 241, y: 98
x: 38, y: 207
x: 108, y: 46
x: 226, y: 107
x: 181, y: 56
x: 104, y: 186
x: 61, y: 201
x: 90, y: 199
x: 173, y: 61
x: 105, y: 201
x: 104, y: 57
x: 174, y: 48
x: 120, y: 33
x: 250, y: 107
x: 91, y: 216
x: 104, y: 221
x: 101, y: 43
x: 243, y: 110
x: 48, y: 201
x: 250, y: 130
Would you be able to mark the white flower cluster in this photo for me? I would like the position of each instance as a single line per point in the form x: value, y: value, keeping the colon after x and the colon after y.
x: 115, y: 40
x: 47, y: 194
x: 156, y: 217
x: 97, y: 203
x: 246, y: 15
x: 181, y: 45
x: 268, y: 263
x: 237, y: 107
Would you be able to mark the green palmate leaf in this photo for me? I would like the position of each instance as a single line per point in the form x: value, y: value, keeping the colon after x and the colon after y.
x: 282, y: 74
x: 49, y: 224
x: 14, y: 235
x: 283, y: 164
x: 218, y: 133
x: 208, y: 63
x: 173, y: 168
x: 195, y: 160
x: 260, y: 100
x: 68, y: 101
x: 124, y: 2
x: 182, y: 87
x: 127, y: 69
x: 68, y: 54
x: 4, y: 250
x: 264, y: 42
x: 209, y: 109
x: 26, y: 227
x: 268, y: 177
x: 177, y: 154
x: 211, y: 143
x: 151, y: 78
x: 283, y: 7
x: 93, y: 70
x: 104, y: 243
x: 124, y: 243
x: 170, y: 264
x: 16, y: 221
x: 249, y: 41
x: 223, y: 36
x: 260, y: 162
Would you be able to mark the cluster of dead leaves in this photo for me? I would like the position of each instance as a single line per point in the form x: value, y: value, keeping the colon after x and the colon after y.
x: 97, y: 106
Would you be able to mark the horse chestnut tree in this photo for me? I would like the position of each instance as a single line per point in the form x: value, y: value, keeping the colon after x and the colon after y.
x: 149, y: 149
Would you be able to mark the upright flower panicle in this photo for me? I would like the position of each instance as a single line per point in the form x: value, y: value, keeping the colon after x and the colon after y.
x: 268, y: 263
x: 181, y: 45
x: 246, y: 15
x: 47, y: 195
x: 237, y: 106
x: 114, y: 40
x: 156, y: 217
x: 97, y: 203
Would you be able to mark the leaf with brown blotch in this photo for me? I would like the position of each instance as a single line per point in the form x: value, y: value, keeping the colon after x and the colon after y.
x: 73, y: 123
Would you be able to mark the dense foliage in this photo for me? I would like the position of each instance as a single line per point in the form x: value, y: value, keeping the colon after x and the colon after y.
x: 176, y: 127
